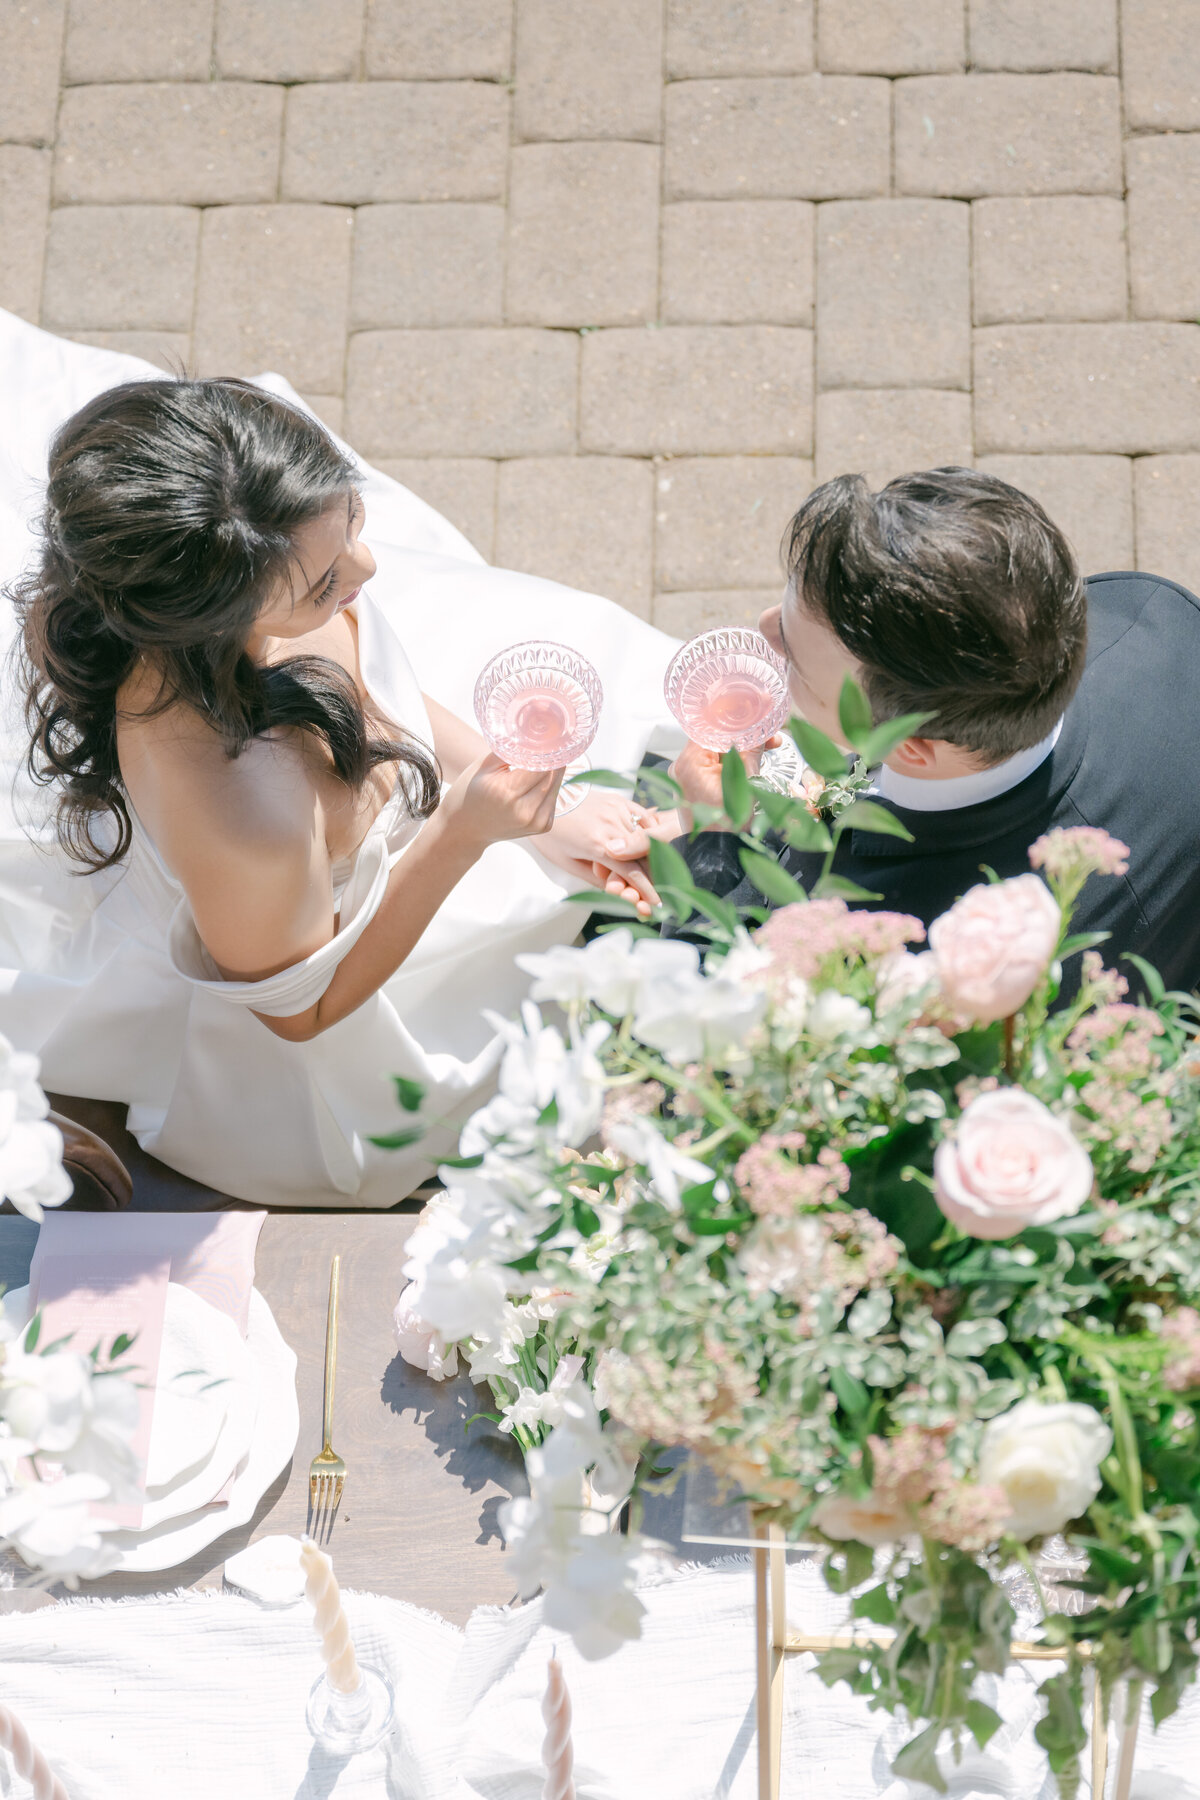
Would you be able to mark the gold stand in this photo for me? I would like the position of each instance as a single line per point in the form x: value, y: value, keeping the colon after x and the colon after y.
x: 773, y: 1641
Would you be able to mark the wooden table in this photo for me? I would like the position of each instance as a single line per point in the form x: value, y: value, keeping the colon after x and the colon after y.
x: 418, y: 1515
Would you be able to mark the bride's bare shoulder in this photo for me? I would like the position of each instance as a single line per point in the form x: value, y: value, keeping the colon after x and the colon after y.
x: 198, y: 803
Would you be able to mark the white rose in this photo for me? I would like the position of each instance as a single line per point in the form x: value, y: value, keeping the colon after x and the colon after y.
x: 832, y: 1015
x: 1046, y: 1456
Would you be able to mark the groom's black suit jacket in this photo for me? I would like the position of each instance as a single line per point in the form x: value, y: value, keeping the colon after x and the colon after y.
x: 1127, y: 759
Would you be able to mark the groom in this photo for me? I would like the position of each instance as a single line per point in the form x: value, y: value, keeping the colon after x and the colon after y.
x: 1054, y: 703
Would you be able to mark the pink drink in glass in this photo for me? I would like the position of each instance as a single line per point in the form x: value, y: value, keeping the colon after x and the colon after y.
x: 728, y: 689
x: 538, y: 705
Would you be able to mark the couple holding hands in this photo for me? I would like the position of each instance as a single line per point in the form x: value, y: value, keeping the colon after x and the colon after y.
x: 254, y: 863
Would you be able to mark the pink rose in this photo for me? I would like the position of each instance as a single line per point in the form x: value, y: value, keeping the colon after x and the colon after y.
x: 994, y: 945
x: 1010, y: 1163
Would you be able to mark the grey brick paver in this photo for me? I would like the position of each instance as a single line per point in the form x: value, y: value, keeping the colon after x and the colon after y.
x: 138, y: 40
x: 1057, y: 258
x: 31, y: 37
x: 969, y: 135
x: 685, y: 614
x: 428, y: 265
x: 288, y: 40
x: 167, y: 350
x: 1167, y: 500
x: 890, y: 37
x: 719, y: 519
x: 811, y: 138
x: 893, y: 294
x: 1127, y: 389
x: 463, y: 489
x: 705, y: 390
x: 591, y: 71
x: 352, y: 142
x: 272, y: 293
x: 1043, y: 34
x: 121, y: 268
x: 737, y: 262
x: 24, y: 213
x: 175, y: 142
x: 414, y: 40
x: 564, y: 200
x: 739, y: 37
x: 1089, y: 497
x: 1160, y: 64
x: 462, y: 393
x: 583, y: 519
x: 884, y: 433
x: 1164, y: 226
x: 603, y: 252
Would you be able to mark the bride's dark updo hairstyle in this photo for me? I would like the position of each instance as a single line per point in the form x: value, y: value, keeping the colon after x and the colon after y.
x: 168, y: 525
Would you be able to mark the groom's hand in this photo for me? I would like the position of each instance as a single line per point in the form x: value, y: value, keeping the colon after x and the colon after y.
x: 698, y: 772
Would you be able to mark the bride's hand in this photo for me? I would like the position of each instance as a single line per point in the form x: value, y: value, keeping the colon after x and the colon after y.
x: 603, y: 843
x: 491, y: 802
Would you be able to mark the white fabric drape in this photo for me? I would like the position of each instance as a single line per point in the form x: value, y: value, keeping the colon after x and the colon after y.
x: 105, y: 978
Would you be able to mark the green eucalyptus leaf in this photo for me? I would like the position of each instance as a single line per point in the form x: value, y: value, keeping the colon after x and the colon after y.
x: 668, y: 868
x: 399, y: 1140
x: 771, y: 879
x: 408, y: 1092
x: 803, y: 832
x: 736, y: 793
x: 852, y: 1394
x: 659, y: 788
x: 885, y: 738
x: 819, y: 752
x: 611, y: 904
x: 33, y: 1332
x: 868, y: 815
x: 605, y: 778
x: 1081, y: 940
x: 982, y: 1722
x: 918, y: 1759
x: 854, y: 713
x: 876, y: 1604
x: 837, y: 887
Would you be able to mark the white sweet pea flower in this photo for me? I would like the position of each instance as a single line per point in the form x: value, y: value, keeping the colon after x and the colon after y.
x: 49, y: 1524
x: 560, y: 973
x: 499, y: 1356
x: 59, y: 1406
x: 505, y: 1122
x: 1046, y: 1456
x: 31, y: 1148
x: 618, y: 966
x: 692, y: 1017
x: 462, y: 1296
x: 591, y: 1594
x: 669, y: 1169
x: 540, y: 1066
x: 548, y: 1405
x: 744, y: 962
x: 832, y: 1015
x: 416, y: 1340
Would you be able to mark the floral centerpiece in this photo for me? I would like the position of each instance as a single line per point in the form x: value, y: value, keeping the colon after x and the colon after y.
x: 67, y: 1418
x: 900, y: 1239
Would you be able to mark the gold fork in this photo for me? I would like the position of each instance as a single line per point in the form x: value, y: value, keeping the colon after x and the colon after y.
x: 327, y: 1472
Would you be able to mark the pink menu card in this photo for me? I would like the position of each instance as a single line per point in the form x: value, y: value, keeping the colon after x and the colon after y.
x: 211, y: 1253
x: 95, y: 1299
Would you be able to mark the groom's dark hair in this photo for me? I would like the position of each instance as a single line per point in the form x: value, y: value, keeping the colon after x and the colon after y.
x: 956, y: 594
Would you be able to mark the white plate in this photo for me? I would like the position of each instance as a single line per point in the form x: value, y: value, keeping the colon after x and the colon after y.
x: 200, y: 1433
x: 277, y: 1426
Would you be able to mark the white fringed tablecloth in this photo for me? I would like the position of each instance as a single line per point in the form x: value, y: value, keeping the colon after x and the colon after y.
x: 202, y: 1697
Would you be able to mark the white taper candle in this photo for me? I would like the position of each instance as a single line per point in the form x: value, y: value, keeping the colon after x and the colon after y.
x: 321, y: 1590
x: 28, y: 1759
x: 557, y: 1753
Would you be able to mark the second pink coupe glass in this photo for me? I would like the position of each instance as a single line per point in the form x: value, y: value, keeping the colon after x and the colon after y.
x: 538, y: 705
x: 728, y: 689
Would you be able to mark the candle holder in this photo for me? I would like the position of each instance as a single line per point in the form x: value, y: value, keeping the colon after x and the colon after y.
x: 344, y: 1724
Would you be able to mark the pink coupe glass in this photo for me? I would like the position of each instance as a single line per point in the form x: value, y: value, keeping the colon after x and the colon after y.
x: 538, y: 705
x: 728, y: 689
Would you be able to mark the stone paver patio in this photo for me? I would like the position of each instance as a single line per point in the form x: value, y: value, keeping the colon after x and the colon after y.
x: 612, y: 282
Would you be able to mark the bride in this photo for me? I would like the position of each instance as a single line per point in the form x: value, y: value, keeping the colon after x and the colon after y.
x: 252, y: 869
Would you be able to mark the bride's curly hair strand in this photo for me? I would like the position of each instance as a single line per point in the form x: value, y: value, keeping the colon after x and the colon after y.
x: 169, y: 520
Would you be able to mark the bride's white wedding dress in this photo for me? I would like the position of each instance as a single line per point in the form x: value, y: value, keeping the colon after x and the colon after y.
x: 104, y: 976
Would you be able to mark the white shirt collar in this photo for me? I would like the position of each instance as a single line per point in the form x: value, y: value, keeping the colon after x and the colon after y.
x: 963, y: 790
